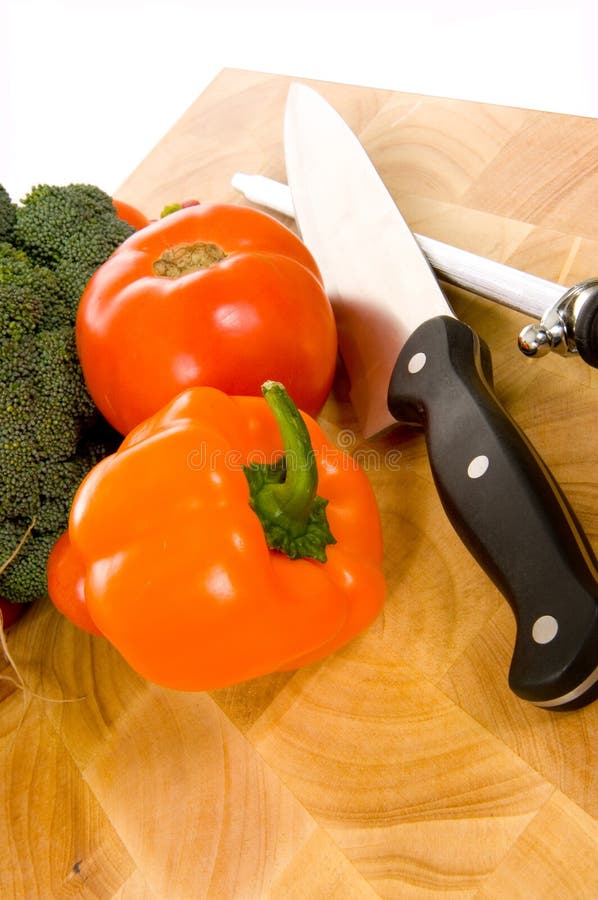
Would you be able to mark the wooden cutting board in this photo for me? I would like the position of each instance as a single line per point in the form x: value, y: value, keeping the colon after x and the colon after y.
x: 401, y: 766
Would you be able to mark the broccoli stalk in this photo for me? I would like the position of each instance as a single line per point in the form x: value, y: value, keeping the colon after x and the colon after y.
x: 51, y: 434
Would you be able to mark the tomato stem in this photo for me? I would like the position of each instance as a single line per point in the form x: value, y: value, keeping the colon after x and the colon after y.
x: 185, y: 258
x: 284, y: 495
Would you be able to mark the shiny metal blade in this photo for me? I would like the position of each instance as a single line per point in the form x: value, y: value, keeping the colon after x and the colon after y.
x: 377, y: 278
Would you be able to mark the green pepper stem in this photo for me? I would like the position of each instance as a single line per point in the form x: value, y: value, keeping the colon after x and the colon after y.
x: 296, y: 493
x: 284, y: 496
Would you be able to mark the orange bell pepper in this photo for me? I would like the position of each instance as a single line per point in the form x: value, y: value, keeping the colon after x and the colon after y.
x: 204, y: 549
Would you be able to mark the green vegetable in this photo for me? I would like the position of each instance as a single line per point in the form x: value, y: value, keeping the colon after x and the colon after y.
x: 72, y: 229
x: 51, y: 434
x: 8, y: 215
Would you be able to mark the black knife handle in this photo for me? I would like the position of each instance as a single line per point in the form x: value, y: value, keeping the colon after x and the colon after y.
x: 507, y: 508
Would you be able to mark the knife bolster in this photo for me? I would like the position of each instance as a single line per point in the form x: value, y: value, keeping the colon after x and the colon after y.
x: 467, y: 355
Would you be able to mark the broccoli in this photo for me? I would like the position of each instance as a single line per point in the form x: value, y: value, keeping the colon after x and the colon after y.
x: 50, y: 217
x: 30, y: 295
x: 51, y: 434
x: 8, y: 215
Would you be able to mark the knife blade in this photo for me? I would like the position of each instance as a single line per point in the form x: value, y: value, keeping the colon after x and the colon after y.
x: 410, y: 360
x: 568, y: 316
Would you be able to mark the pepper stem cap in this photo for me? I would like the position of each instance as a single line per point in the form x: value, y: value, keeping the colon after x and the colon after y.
x: 283, y: 494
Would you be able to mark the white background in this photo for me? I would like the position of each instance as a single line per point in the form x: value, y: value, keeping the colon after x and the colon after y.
x: 87, y: 89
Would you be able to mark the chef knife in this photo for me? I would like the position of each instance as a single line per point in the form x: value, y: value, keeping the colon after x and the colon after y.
x: 410, y: 360
x: 568, y: 316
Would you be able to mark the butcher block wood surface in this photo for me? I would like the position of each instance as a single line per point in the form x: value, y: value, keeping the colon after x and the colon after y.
x: 402, y: 766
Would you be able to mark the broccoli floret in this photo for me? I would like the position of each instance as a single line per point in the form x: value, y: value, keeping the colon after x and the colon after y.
x: 24, y: 579
x: 17, y: 267
x: 49, y: 497
x: 40, y: 491
x: 51, y: 433
x: 30, y: 296
x: 63, y: 405
x: 19, y: 470
x: 20, y: 312
x: 8, y: 215
x: 82, y: 254
x: 17, y: 356
x: 50, y: 216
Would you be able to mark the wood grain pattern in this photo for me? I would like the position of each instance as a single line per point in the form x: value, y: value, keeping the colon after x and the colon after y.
x: 402, y: 766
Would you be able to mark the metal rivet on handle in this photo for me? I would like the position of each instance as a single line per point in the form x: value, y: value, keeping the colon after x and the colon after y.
x: 544, y: 629
x: 478, y: 466
x: 416, y: 363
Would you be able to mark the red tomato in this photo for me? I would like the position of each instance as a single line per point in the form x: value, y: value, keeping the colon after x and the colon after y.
x: 130, y: 214
x: 11, y: 612
x: 212, y: 295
